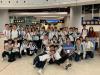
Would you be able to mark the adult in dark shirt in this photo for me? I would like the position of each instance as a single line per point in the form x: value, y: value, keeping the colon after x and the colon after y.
x: 91, y: 32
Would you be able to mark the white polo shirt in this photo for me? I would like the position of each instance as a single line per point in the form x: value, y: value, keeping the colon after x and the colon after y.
x: 14, y: 34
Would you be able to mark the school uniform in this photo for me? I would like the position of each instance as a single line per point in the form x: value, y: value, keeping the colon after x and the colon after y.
x: 56, y: 58
x: 60, y: 41
x: 70, y: 35
x: 16, y: 50
x: 42, y: 33
x: 62, y: 34
x: 41, y: 60
x: 88, y: 50
x: 23, y: 49
x: 84, y: 33
x: 78, y: 52
x: 44, y: 44
x: 9, y: 53
x: 29, y: 36
x: 14, y: 34
x: 76, y: 35
x: 22, y: 35
x: 54, y: 41
x: 31, y: 49
x: 51, y: 34
x: 6, y: 34
x: 69, y: 50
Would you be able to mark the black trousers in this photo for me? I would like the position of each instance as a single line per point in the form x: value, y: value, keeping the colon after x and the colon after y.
x: 61, y: 60
x: 78, y: 56
x: 39, y: 64
x: 11, y: 56
x: 89, y: 54
x: 32, y: 51
x: 17, y: 54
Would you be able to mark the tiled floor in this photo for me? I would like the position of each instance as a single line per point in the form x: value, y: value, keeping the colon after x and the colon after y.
x: 24, y: 66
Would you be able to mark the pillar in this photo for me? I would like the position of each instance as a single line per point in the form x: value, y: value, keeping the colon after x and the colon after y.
x: 76, y: 17
x: 67, y: 21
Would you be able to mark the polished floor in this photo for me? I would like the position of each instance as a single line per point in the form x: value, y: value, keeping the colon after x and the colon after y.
x: 24, y: 66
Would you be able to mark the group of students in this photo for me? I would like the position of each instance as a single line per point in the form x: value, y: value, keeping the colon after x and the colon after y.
x: 58, y: 46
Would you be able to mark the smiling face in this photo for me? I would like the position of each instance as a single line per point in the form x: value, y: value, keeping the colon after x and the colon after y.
x: 14, y: 27
x: 78, y: 41
x: 91, y: 29
x: 68, y: 40
x: 7, y: 26
x: 87, y: 39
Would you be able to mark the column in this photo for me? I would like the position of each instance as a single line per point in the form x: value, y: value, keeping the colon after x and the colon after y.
x: 67, y: 21
x: 75, y: 17
x: 4, y: 19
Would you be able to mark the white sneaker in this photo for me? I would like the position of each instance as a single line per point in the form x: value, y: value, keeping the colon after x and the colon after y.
x: 40, y: 72
x: 34, y: 66
x: 2, y: 59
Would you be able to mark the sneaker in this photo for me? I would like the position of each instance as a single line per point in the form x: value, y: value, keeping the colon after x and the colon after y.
x: 69, y: 65
x: 2, y: 59
x: 40, y: 72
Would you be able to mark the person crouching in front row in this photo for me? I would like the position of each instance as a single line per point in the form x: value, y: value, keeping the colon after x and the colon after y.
x: 40, y: 61
x: 8, y: 52
x: 88, y: 48
x: 32, y: 48
x: 78, y: 50
x: 23, y: 48
x: 16, y: 48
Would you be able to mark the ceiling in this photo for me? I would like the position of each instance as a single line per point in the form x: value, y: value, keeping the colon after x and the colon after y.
x: 41, y: 10
x: 49, y: 13
x: 85, y: 8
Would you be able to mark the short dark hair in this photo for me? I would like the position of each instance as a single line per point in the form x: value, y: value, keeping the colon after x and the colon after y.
x: 6, y: 24
x: 14, y: 24
x: 84, y: 25
x: 51, y: 46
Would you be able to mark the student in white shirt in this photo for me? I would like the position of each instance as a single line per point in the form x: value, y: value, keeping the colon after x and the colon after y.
x: 16, y: 48
x: 70, y: 35
x: 84, y: 32
x: 54, y: 40
x: 41, y: 60
x: 28, y: 34
x: 88, y: 48
x: 9, y: 51
x: 23, y: 48
x: 45, y: 42
x: 60, y: 40
x: 56, y: 57
x: 32, y: 48
x: 76, y: 34
x: 51, y: 33
x: 14, y: 32
x: 6, y: 32
x: 78, y: 50
x: 42, y: 33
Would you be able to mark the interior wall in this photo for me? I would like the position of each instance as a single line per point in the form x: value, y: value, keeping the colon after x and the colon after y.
x: 4, y: 19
